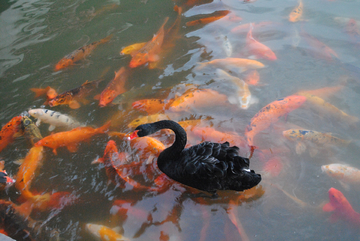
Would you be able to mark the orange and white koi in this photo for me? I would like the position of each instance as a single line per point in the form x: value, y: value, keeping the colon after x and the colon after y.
x: 115, y: 87
x: 150, y: 51
x: 131, y: 48
x: 9, y: 131
x: 73, y: 96
x: 296, y: 13
x: 258, y: 49
x: 243, y: 98
x: 104, y: 233
x: 218, y: 15
x: 79, y: 54
x: 270, y: 114
x: 71, y: 139
x: 55, y: 119
x: 341, y: 208
x: 237, y: 65
x: 321, y: 106
x: 345, y: 174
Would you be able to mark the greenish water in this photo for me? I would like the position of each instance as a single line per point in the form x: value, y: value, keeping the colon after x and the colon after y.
x: 35, y: 35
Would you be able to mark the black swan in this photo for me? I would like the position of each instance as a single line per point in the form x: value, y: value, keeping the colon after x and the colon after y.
x: 207, y: 166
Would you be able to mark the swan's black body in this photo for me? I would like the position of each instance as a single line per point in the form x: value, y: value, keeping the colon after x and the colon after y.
x: 207, y: 166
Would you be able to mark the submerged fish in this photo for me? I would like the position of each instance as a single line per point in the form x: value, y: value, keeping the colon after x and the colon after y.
x: 236, y: 65
x: 31, y: 131
x: 258, y: 49
x: 53, y: 118
x: 5, y: 180
x: 150, y: 51
x: 48, y: 91
x: 315, y: 137
x: 148, y: 119
x: 296, y: 13
x: 244, y: 95
x: 270, y: 113
x: 115, y: 87
x: 219, y: 15
x: 71, y: 139
x: 345, y: 174
x: 9, y: 131
x: 73, y: 96
x: 79, y: 54
x: 104, y: 233
x: 131, y: 48
x: 152, y: 106
x: 341, y: 208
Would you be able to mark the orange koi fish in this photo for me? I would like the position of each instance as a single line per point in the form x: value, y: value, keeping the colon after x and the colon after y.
x: 149, y: 53
x: 244, y: 27
x: 270, y: 114
x: 198, y: 99
x: 79, y: 54
x: 273, y: 166
x: 26, y: 173
x: 48, y: 91
x: 110, y: 149
x: 131, y: 48
x: 152, y: 106
x: 171, y: 35
x: 258, y: 49
x: 352, y: 28
x: 147, y: 144
x: 148, y: 119
x: 341, y: 208
x: 321, y: 50
x: 252, y: 78
x: 237, y: 65
x: 115, y: 87
x: 321, y: 106
x: 296, y: 13
x: 218, y: 15
x: 5, y: 180
x: 71, y: 97
x: 71, y: 139
x: 9, y: 131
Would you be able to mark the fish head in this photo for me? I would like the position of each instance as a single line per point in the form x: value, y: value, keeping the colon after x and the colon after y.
x: 93, y: 228
x: 36, y: 113
x: 107, y: 96
x: 334, y: 170
x: 139, y: 59
x: 336, y: 198
x: 59, y: 100
x: 63, y: 64
x: 110, y: 148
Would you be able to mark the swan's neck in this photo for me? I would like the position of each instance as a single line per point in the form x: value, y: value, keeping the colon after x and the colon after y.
x: 176, y: 148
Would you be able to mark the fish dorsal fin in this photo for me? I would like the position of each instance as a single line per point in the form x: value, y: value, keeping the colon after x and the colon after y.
x: 86, y: 82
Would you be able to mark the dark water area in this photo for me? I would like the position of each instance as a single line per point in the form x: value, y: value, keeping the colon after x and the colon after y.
x: 35, y: 35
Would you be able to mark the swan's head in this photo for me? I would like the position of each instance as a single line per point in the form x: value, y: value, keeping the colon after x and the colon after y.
x: 141, y: 130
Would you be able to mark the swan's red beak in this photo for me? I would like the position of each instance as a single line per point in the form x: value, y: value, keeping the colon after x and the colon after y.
x: 133, y: 135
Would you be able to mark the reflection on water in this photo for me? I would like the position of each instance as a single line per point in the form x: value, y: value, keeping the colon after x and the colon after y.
x: 316, y: 57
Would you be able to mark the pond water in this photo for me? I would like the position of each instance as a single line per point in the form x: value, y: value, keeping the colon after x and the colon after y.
x: 320, y: 50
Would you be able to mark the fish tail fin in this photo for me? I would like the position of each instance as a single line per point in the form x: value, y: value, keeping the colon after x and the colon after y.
x: 39, y: 92
x: 104, y: 128
x: 106, y: 39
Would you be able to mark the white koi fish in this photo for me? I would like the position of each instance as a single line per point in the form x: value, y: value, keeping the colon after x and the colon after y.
x: 244, y: 95
x: 53, y: 118
x: 104, y: 233
x: 343, y: 173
